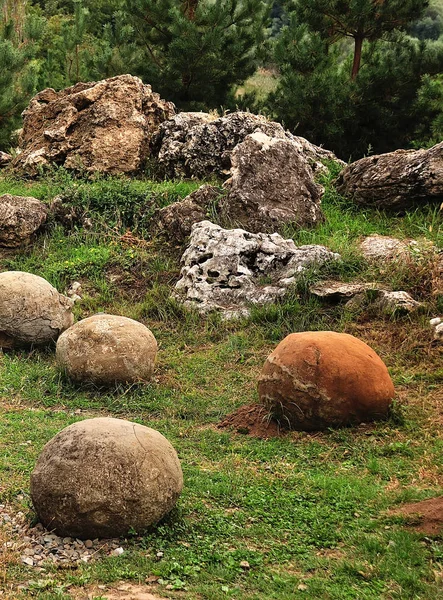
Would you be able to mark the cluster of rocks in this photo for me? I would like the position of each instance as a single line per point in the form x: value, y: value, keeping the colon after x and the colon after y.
x: 102, y: 349
x: 38, y: 547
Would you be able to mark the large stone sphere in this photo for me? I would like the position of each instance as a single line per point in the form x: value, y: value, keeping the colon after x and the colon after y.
x: 107, y: 349
x: 314, y: 380
x: 31, y: 310
x: 104, y: 477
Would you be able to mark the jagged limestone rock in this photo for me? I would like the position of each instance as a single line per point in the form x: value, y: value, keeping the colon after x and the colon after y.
x: 104, y: 126
x: 228, y: 270
x: 271, y: 185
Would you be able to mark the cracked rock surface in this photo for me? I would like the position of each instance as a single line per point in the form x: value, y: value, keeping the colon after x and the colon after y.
x: 228, y: 269
x: 396, y: 180
x: 20, y: 218
x: 103, y: 477
x: 31, y: 310
x: 271, y: 185
x: 102, y: 126
x: 107, y: 349
x: 199, y: 145
x: 319, y: 379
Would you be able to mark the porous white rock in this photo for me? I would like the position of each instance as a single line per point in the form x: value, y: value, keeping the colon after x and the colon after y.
x: 229, y: 269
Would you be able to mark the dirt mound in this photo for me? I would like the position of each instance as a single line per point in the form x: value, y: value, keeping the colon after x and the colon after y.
x: 425, y: 516
x: 253, y: 420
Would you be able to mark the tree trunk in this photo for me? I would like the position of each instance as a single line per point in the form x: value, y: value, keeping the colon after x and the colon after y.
x: 357, y: 56
x: 190, y: 8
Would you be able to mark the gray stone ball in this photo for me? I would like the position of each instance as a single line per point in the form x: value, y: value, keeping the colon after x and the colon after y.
x: 103, y: 477
x: 32, y: 312
x: 107, y: 349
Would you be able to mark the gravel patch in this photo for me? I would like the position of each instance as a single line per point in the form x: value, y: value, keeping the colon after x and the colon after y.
x: 37, y: 547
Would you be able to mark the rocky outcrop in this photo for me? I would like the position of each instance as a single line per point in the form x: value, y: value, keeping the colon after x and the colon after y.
x: 336, y: 291
x: 271, y: 185
x: 199, y: 145
x: 395, y: 181
x: 356, y: 294
x: 230, y: 269
x: 105, y: 126
x: 20, y: 218
x: 32, y: 312
x: 104, y: 477
x: 107, y: 349
x: 398, y: 302
x: 176, y: 220
x: 319, y: 379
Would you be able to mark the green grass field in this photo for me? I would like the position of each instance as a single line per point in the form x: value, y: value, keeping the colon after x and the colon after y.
x: 308, y: 512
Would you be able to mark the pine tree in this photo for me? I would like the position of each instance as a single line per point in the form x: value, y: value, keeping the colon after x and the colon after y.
x: 18, y: 69
x: 351, y: 102
x: 360, y: 20
x: 194, y: 51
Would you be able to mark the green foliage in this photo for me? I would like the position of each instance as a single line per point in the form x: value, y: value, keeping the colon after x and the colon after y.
x: 377, y: 97
x: 194, y: 52
x: 18, y: 69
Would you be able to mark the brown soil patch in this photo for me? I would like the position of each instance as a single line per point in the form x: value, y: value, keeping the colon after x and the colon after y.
x: 425, y: 516
x: 123, y: 591
x: 253, y: 420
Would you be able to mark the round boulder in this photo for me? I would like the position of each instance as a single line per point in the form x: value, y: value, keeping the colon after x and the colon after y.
x: 107, y: 349
x: 104, y: 477
x: 319, y: 379
x: 20, y: 217
x: 32, y: 312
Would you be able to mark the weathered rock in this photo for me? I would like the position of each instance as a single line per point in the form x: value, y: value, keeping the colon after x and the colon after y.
x: 382, y: 247
x: 66, y: 214
x: 398, y: 302
x: 103, y: 126
x: 103, y: 477
x: 337, y: 290
x: 396, y: 180
x: 315, y: 380
x: 271, y: 185
x: 5, y: 159
x: 199, y: 145
x: 107, y: 349
x: 176, y: 220
x: 437, y: 328
x: 229, y: 269
x: 32, y: 312
x: 20, y: 218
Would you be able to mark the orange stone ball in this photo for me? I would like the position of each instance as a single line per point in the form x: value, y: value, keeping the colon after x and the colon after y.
x: 319, y: 379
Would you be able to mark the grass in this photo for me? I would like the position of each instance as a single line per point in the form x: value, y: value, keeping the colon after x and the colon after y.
x: 308, y: 512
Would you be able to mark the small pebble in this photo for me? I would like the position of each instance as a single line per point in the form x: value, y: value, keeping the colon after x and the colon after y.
x: 89, y: 544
